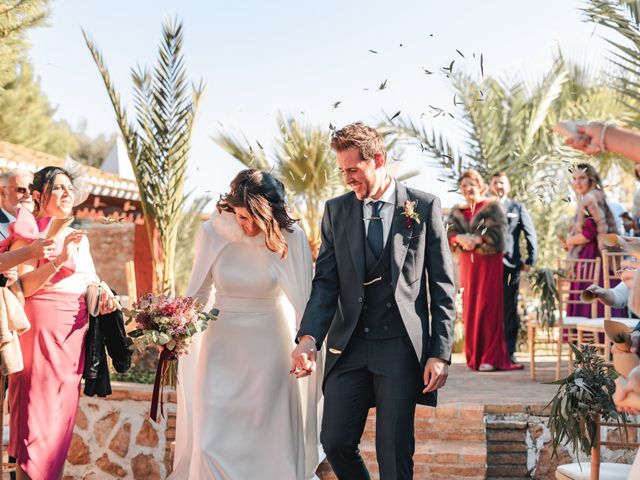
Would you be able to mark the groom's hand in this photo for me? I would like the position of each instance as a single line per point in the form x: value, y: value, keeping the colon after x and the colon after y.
x: 303, y: 357
x: 436, y: 372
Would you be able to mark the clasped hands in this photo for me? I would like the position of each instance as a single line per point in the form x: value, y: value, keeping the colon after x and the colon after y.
x: 303, y: 357
x: 468, y: 242
x: 303, y: 363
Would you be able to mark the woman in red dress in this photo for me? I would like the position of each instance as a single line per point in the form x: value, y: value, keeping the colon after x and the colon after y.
x: 477, y: 231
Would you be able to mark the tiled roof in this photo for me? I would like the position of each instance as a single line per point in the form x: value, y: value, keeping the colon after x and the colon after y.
x: 104, y: 184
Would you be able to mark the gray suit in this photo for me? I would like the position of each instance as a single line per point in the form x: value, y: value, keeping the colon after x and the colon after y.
x: 422, y: 289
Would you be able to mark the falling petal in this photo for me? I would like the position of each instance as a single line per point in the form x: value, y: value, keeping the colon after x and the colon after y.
x: 395, y: 116
x: 482, y: 65
x: 383, y: 85
x: 261, y: 147
x: 459, y: 53
x: 373, y: 51
x: 331, y: 126
x: 336, y: 104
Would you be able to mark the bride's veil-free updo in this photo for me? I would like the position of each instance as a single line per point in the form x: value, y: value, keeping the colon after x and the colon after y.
x: 264, y: 198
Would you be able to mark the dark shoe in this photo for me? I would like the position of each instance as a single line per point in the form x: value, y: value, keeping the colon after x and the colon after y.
x: 513, y: 358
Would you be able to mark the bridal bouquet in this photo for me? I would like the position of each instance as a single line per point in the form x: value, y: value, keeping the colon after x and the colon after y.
x: 171, y: 323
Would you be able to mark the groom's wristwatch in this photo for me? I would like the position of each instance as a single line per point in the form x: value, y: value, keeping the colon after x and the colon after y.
x: 308, y: 336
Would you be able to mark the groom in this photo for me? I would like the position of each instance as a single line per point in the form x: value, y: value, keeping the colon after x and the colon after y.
x: 384, y: 272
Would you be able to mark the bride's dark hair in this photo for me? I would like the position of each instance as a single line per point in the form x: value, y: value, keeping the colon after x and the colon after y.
x: 264, y: 198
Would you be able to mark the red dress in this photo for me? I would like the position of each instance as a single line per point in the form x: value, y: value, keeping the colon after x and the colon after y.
x: 482, y: 304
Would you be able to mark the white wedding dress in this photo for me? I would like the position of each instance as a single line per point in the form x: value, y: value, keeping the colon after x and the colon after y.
x: 241, y: 415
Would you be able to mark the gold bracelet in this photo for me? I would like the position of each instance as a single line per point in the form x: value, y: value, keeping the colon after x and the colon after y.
x: 57, y: 269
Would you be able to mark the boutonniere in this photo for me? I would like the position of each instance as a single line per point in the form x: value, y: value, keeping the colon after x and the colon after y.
x: 410, y: 212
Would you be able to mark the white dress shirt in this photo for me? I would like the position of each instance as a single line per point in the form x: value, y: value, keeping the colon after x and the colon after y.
x: 386, y: 212
x: 4, y: 227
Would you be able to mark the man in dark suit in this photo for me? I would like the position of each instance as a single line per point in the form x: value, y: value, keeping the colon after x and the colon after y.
x: 518, y: 222
x: 383, y: 295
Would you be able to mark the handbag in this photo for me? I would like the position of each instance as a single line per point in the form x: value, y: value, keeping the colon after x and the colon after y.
x: 96, y: 293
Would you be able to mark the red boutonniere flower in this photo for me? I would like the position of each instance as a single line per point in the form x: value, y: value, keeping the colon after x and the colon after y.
x: 410, y: 212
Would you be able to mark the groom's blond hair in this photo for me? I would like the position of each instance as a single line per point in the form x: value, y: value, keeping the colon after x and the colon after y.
x: 366, y: 139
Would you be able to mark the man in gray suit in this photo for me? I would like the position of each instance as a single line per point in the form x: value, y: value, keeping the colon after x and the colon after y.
x: 383, y: 295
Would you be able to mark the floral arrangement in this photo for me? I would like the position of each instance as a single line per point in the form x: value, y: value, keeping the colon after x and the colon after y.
x: 171, y: 323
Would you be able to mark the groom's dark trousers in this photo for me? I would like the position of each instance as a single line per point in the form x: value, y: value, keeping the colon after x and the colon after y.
x: 368, y: 373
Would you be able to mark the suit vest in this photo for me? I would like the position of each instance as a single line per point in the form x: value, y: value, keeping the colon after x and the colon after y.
x: 380, y: 317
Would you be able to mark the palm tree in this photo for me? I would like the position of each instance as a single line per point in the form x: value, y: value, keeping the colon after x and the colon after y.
x: 303, y: 161
x: 622, y: 17
x: 158, y: 143
x: 508, y: 128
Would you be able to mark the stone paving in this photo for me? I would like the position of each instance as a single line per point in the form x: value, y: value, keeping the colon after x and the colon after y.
x: 513, y: 387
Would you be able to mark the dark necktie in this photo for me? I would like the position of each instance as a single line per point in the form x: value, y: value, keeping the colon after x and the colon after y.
x: 374, y: 234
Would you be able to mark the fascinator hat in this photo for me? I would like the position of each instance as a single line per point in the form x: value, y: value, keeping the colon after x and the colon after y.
x: 72, y: 169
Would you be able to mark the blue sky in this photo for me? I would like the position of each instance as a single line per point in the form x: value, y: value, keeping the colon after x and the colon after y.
x: 299, y: 57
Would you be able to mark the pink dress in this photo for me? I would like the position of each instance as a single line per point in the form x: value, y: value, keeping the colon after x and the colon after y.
x: 44, y: 396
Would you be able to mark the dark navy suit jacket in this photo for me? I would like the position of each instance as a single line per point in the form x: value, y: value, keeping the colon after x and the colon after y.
x: 519, y: 221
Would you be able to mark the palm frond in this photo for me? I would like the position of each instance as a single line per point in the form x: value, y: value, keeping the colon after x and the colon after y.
x: 158, y: 144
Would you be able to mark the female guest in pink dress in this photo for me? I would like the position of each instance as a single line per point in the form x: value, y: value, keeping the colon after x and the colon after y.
x: 593, y: 219
x: 44, y: 396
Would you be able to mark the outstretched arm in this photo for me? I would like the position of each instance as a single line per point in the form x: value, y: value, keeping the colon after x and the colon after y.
x: 40, y: 248
x: 322, y: 304
x: 592, y: 140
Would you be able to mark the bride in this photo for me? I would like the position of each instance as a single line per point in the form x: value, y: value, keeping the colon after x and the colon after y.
x: 240, y: 414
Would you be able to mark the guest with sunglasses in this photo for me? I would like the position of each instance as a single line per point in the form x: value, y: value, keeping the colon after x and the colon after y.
x: 14, y: 194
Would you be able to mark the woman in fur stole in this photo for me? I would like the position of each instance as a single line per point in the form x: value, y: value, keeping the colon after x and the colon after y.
x: 477, y: 232
x: 593, y: 219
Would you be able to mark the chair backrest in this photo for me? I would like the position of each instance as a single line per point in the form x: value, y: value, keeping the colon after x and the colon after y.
x: 611, y: 264
x: 619, y: 436
x: 576, y: 274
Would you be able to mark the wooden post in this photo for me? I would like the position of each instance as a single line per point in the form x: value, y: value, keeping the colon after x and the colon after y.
x: 132, y: 292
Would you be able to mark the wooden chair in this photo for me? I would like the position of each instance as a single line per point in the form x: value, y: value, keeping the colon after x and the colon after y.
x: 621, y: 438
x: 564, y: 331
x: 577, y: 275
x: 594, y: 330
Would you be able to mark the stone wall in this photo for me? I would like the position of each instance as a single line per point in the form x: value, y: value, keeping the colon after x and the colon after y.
x: 473, y: 442
x: 114, y: 437
x: 111, y: 247
x: 519, y: 444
